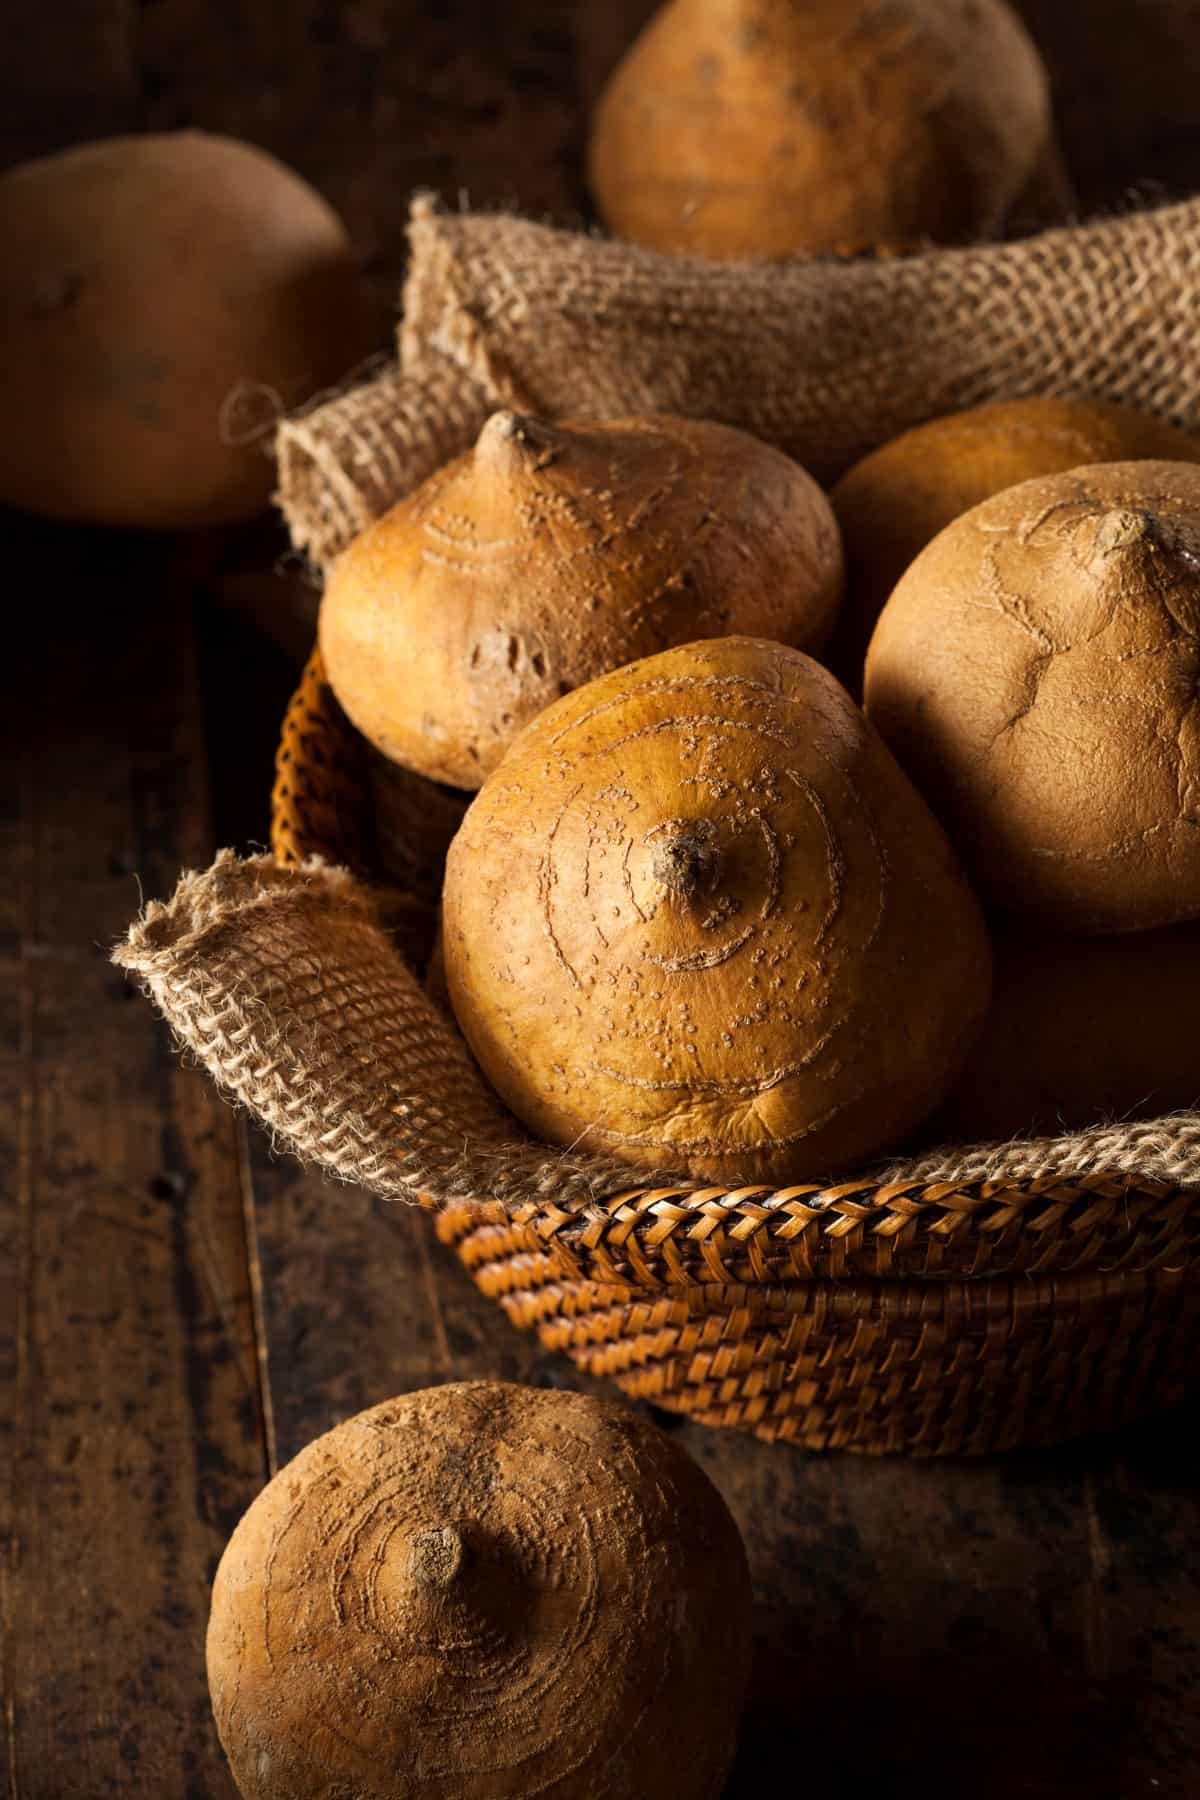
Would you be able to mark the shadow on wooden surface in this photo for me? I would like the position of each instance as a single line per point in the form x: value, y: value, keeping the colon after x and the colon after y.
x: 129, y: 1380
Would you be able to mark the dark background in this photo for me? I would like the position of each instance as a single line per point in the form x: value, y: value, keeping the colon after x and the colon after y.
x: 179, y: 1312
x: 369, y: 98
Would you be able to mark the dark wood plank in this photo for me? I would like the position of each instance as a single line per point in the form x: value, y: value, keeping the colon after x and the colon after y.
x: 66, y: 74
x: 248, y: 677
x: 130, y: 1410
x: 1125, y: 95
x: 373, y: 100
x: 360, y: 1301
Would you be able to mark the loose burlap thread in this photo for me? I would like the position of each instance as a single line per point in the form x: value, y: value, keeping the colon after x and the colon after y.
x: 825, y: 359
x: 289, y: 989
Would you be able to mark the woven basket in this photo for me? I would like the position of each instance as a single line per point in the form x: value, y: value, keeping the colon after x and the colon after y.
x: 928, y: 1318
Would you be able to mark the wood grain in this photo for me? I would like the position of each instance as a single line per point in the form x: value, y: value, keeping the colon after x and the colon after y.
x: 133, y: 1432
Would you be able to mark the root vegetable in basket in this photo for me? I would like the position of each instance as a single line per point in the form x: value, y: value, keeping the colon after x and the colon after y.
x: 897, y: 499
x: 1081, y: 1030
x: 551, y: 553
x: 167, y: 297
x: 761, y: 128
x: 699, y: 919
x: 481, y: 1591
x: 1036, y: 672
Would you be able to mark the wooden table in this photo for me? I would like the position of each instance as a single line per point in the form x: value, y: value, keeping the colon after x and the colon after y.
x: 180, y: 1312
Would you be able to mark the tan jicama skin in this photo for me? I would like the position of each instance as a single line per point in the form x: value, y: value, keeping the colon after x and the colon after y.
x: 699, y: 920
x: 893, y: 502
x: 551, y: 553
x: 1036, y: 673
x: 483, y: 1592
x: 167, y: 297
x: 762, y: 128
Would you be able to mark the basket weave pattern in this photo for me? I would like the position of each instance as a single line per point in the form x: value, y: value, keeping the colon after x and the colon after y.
x: 917, y: 1310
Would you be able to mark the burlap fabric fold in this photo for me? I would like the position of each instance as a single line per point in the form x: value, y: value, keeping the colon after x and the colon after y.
x: 825, y: 359
x: 287, y: 987
x: 289, y: 990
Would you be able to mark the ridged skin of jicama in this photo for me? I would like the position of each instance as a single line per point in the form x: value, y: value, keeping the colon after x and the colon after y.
x: 1036, y: 672
x: 699, y: 919
x: 897, y: 499
x: 552, y: 552
x: 483, y: 1592
x: 763, y: 128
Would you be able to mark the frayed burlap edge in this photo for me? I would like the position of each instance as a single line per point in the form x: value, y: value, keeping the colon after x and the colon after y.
x: 1165, y: 1149
x: 344, y: 462
x: 286, y: 987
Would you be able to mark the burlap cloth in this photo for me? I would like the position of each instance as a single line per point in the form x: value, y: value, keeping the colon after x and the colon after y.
x: 824, y: 359
x: 287, y: 987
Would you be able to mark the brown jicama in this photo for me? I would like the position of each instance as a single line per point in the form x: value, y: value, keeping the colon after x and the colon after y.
x: 166, y: 297
x: 483, y: 1592
x: 698, y: 920
x: 1036, y: 671
x: 893, y: 502
x: 826, y: 360
x: 551, y: 553
x: 757, y: 128
x: 1081, y: 1030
